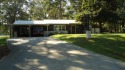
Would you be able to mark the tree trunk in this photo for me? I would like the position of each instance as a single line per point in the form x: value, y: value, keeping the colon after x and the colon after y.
x: 122, y: 27
x: 123, y: 24
x: 100, y: 26
x: 10, y: 32
x: 60, y: 9
x: 115, y: 27
x: 109, y: 29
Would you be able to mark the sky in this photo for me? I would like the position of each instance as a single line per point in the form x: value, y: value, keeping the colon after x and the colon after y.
x: 68, y: 2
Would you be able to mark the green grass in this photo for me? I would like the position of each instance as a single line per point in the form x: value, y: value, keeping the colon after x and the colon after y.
x: 112, y: 45
x: 3, y: 40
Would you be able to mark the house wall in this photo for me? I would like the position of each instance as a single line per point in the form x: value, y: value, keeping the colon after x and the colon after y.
x: 95, y: 30
x: 79, y: 29
x: 68, y: 29
x: 51, y: 28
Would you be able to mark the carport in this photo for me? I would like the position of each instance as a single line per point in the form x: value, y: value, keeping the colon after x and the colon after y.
x: 29, y: 29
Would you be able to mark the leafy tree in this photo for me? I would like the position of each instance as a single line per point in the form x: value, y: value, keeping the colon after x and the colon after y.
x: 57, y: 9
x: 36, y: 10
x: 73, y: 8
x: 100, y: 11
x: 12, y: 10
x: 121, y: 12
x: 47, y: 9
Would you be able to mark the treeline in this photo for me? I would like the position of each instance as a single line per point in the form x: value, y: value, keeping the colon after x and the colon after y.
x: 108, y: 15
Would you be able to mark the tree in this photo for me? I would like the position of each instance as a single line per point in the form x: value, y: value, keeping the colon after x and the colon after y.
x: 47, y: 9
x: 57, y: 9
x: 12, y: 10
x: 100, y: 11
x: 121, y: 12
x: 73, y: 7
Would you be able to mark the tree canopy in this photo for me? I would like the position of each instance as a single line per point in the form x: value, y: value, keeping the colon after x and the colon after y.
x: 101, y: 11
x: 107, y: 12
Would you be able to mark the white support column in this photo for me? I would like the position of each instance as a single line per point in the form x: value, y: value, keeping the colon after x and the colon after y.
x: 75, y: 29
x: 71, y: 29
x: 47, y: 30
x: 29, y: 30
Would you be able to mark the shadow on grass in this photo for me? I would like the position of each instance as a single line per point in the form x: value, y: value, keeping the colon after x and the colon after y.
x: 109, y: 45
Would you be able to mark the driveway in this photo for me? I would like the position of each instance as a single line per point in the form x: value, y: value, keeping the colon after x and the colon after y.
x: 45, y: 53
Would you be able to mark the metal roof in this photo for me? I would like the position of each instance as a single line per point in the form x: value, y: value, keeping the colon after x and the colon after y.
x: 43, y: 22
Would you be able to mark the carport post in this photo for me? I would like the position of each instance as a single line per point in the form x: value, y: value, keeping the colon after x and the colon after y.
x: 29, y: 31
x: 47, y: 30
x: 75, y: 29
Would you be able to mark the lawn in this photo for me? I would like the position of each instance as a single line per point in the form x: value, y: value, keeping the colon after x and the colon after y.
x: 112, y: 45
x: 3, y: 40
x: 3, y: 47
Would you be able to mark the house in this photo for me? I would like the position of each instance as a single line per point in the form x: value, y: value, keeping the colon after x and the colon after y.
x: 36, y: 28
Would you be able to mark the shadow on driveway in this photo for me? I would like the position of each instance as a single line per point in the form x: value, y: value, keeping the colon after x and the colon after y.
x: 44, y: 53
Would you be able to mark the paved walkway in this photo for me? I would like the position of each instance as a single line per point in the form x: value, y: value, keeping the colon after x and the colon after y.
x: 50, y: 54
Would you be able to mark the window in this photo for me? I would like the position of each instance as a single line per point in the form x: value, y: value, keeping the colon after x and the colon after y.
x: 59, y: 28
x: 63, y: 28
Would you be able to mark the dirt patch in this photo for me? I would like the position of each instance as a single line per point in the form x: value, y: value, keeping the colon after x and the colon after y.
x: 4, y: 51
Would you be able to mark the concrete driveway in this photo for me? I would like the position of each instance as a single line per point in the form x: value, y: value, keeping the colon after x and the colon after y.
x: 51, y: 54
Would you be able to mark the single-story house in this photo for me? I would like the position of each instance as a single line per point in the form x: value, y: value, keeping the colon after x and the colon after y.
x: 34, y: 28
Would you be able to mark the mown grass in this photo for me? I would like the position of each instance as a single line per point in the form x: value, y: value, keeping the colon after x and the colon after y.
x: 112, y: 45
x: 4, y: 50
x: 3, y: 40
